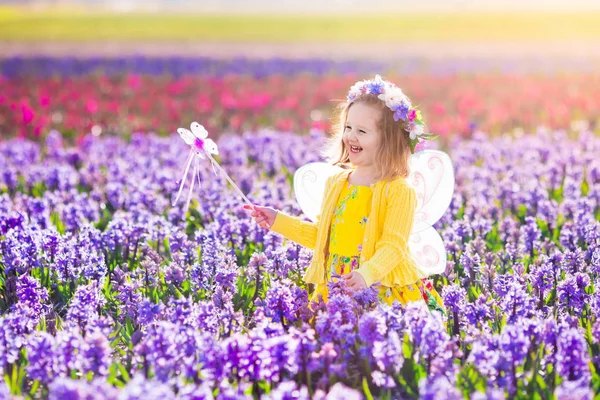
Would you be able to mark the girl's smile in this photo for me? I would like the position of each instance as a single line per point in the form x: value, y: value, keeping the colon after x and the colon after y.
x: 355, y: 149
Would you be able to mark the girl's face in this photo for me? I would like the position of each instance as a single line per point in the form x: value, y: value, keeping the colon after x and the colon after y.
x: 361, y: 135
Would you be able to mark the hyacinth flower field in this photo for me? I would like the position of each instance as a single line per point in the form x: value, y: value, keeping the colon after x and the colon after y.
x: 107, y: 291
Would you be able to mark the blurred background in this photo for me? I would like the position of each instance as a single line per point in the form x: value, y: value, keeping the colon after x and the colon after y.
x: 118, y: 67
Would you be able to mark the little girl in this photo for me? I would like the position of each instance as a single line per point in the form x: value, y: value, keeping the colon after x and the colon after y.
x: 368, y: 210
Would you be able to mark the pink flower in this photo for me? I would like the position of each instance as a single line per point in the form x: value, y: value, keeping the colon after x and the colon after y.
x: 91, y: 106
x: 27, y: 113
x: 422, y: 145
x: 44, y: 100
x: 412, y: 115
x: 134, y: 81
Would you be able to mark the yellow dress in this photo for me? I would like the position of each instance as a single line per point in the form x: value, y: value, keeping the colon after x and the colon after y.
x: 345, y: 241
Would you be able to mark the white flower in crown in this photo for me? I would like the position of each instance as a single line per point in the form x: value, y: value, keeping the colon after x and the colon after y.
x: 393, y: 97
x: 355, y: 90
x: 417, y: 130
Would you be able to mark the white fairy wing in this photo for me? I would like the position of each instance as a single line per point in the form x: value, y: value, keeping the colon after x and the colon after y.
x: 309, y: 186
x: 186, y: 135
x: 211, y: 146
x: 427, y: 249
x: 432, y: 176
x: 199, y: 131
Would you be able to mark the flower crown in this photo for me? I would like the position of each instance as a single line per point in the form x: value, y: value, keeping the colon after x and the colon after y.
x: 396, y: 101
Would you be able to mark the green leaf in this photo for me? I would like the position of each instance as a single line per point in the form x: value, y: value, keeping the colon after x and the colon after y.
x: 34, y: 387
x: 55, y: 219
x: 124, y: 372
x: 366, y: 389
x: 128, y: 327
x: 585, y: 187
x: 541, y: 382
x: 413, y: 144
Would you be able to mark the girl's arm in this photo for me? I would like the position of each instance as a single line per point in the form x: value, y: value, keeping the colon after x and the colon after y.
x: 302, y: 232
x: 392, y: 247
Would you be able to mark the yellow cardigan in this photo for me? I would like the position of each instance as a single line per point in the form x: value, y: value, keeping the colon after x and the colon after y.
x: 385, y: 256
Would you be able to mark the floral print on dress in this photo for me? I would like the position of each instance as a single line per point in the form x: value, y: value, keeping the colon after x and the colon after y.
x: 342, y: 264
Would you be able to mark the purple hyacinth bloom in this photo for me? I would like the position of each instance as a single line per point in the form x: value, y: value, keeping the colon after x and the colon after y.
x: 32, y: 296
x: 162, y: 350
x: 438, y: 387
x: 288, y: 390
x: 4, y: 390
x: 70, y: 348
x: 387, y: 354
x: 490, y: 394
x: 140, y: 388
x: 415, y: 318
x: 572, y: 360
x: 147, y: 312
x: 302, y: 345
x: 571, y: 293
x: 367, y: 298
x: 478, y: 312
x: 283, y: 301
x: 257, y: 261
x: 371, y: 327
x: 21, y: 250
x: 515, y: 302
x: 64, y: 388
x: 454, y: 298
x: 530, y: 235
x: 40, y: 357
x: 337, y: 324
x: 541, y: 276
x: 435, y: 347
x: 485, y: 355
x: 338, y: 392
x: 382, y: 380
x: 471, y: 264
x: 570, y: 390
x: 97, y: 355
x: 514, y: 346
x: 85, y: 304
x: 573, y: 261
x: 394, y: 316
x: 196, y: 392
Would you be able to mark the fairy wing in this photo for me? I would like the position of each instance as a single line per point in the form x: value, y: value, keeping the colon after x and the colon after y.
x: 186, y: 135
x: 428, y: 251
x: 432, y: 176
x: 199, y: 131
x: 211, y: 146
x: 309, y: 186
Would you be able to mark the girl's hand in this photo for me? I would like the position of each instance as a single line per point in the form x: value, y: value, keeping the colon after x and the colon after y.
x: 354, y: 281
x: 264, y: 216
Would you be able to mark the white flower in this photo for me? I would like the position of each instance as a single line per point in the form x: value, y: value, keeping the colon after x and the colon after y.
x: 392, y: 97
x: 416, y: 131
